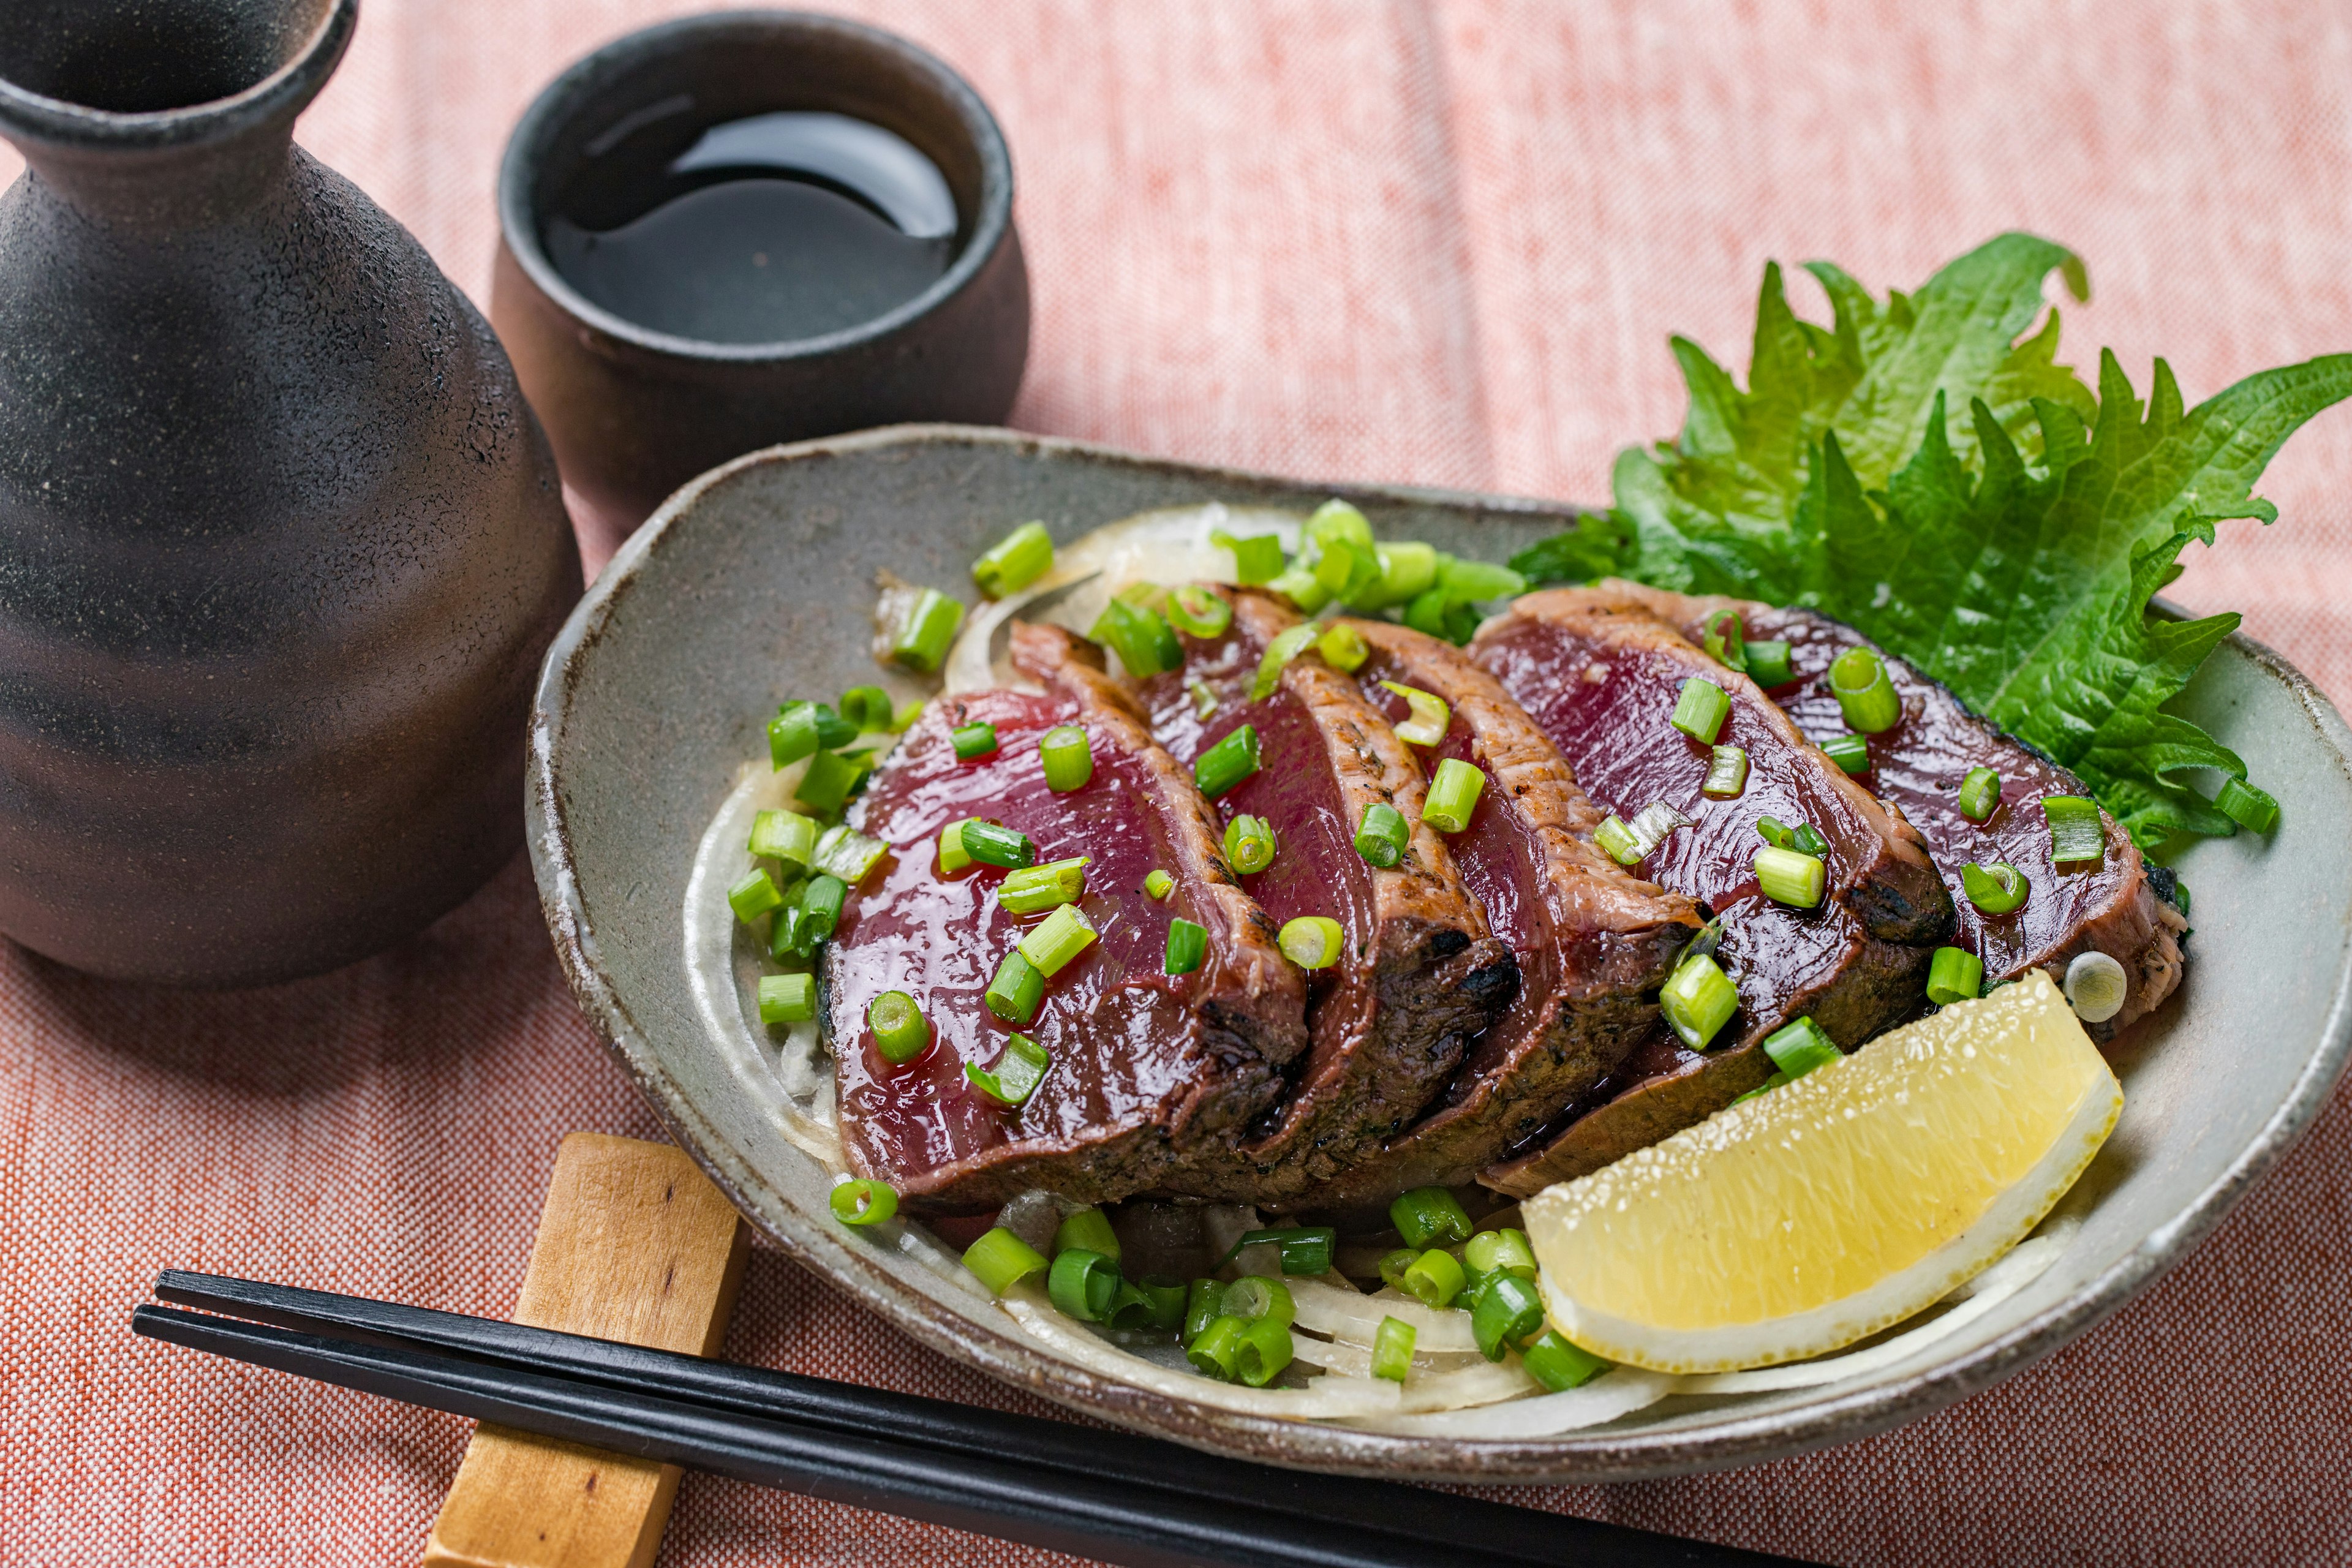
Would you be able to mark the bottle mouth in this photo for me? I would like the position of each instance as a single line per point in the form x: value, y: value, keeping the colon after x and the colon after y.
x: 97, y: 74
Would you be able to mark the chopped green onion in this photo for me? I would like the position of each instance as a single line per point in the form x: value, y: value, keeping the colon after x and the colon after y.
x: 953, y: 855
x: 1343, y: 647
x: 1999, y: 889
x: 1068, y: 757
x: 1767, y: 1087
x: 842, y: 851
x: 1381, y: 837
x: 908, y: 712
x: 786, y: 936
x: 1016, y: 990
x: 1312, y: 941
x: 784, y: 835
x: 1089, y: 1228
x: 833, y: 732
x: 1287, y: 644
x: 787, y: 998
x: 1475, y: 582
x: 1062, y: 936
x: 1700, y: 709
x: 1297, y: 585
x: 1954, y: 974
x: 1393, y: 1349
x: 1979, y: 794
x: 1158, y: 885
x: 1727, y: 773
x: 1769, y: 664
x: 1020, y: 1068
x: 2095, y: 986
x: 1552, y: 1360
x: 2076, y: 834
x: 1651, y: 823
x: 1266, y: 1348
x: 754, y: 896
x: 1805, y: 839
x: 1616, y: 840
x: 1430, y: 718
x: 792, y: 735
x: 1257, y: 559
x: 1163, y: 1303
x: 1002, y: 1260
x: 973, y: 740
x: 1249, y: 843
x: 1799, y: 1048
x: 1454, y: 791
x: 866, y: 708
x: 1408, y: 568
x: 1849, y: 753
x: 1215, y: 1351
x: 1864, y: 692
x: 901, y: 1033
x: 1507, y: 1313
x: 1394, y: 1264
x: 863, y: 1202
x: 1774, y: 831
x: 1698, y: 1001
x: 1429, y: 1216
x: 1337, y: 522
x: 1204, y: 701
x: 1306, y: 1250
x: 1226, y: 764
x: 1144, y: 641
x: 2250, y: 808
x: 930, y: 625
x: 831, y: 779
x: 1788, y: 877
x: 1724, y: 640
x: 994, y: 844
x: 1205, y: 1303
x: 1015, y: 561
x: 820, y: 907
x: 1200, y: 612
x: 1434, y: 1278
x: 1036, y: 888
x: 1082, y: 1284
x: 1426, y: 612
x: 1188, y: 947
x: 1500, y: 1252
x: 1256, y: 1296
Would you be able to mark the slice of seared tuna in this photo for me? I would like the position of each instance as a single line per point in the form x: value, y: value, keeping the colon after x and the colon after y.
x: 1419, y: 975
x: 1594, y: 941
x: 2115, y: 905
x: 1600, y: 674
x: 1147, y: 1069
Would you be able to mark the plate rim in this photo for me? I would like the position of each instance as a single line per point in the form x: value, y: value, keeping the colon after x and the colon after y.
x: 1012, y: 1358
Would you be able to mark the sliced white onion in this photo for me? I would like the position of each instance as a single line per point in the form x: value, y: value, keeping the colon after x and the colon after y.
x: 1355, y: 1320
x: 1613, y: 1394
x: 2095, y: 986
x: 1479, y: 1381
x: 1354, y: 1360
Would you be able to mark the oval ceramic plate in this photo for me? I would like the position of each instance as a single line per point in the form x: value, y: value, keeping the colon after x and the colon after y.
x: 755, y: 582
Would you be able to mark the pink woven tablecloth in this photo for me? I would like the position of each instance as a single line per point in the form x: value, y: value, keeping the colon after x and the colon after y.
x: 1439, y: 243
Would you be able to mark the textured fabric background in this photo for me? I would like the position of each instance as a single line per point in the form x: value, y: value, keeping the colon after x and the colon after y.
x: 1440, y: 242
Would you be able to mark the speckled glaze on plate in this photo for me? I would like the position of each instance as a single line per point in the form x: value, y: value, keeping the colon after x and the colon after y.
x: 755, y: 582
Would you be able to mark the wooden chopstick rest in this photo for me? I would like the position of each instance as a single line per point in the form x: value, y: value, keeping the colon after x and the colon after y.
x: 635, y: 1244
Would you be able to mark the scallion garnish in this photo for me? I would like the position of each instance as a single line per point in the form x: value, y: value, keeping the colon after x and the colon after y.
x: 930, y: 625
x: 1560, y: 1364
x: 792, y: 735
x: 1144, y: 641
x: 994, y: 844
x: 1061, y: 937
x: 2095, y: 986
x: 842, y: 851
x: 863, y: 1202
x: 1505, y: 1251
x: 1806, y: 839
x: 1429, y: 1216
x: 1394, y: 1264
x: 1068, y: 757
x: 901, y: 1033
x: 1769, y: 664
x: 785, y: 836
x: 866, y: 708
x: 1016, y: 990
x: 1266, y: 1348
x: 1089, y: 1228
x: 831, y: 779
x: 1773, y: 831
x: 1198, y: 612
x: 2076, y: 834
x: 1305, y: 1249
x: 1312, y: 941
x: 1954, y: 974
x: 1849, y: 753
x: 1999, y: 889
x: 1864, y: 692
x: 1408, y: 568
x: 1615, y: 839
x: 754, y: 896
x: 1158, y: 885
x: 2250, y: 808
x: 1724, y: 639
x: 785, y: 937
x: 1700, y: 709
x: 1381, y: 837
x: 1475, y: 582
x: 1226, y: 764
x: 1979, y: 794
x: 787, y: 998
x: 820, y: 908
x: 1204, y: 701
x: 1163, y: 1303
x: 973, y: 740
x: 1297, y: 583
x: 1727, y: 773
x: 1788, y: 877
x: 1287, y: 644
x: 953, y: 855
x: 1204, y: 1304
x: 1698, y: 1001
x: 1188, y: 947
x: 1257, y: 559
x: 1254, y: 1296
x: 1343, y: 647
x: 1430, y: 715
x: 907, y: 713
x: 1034, y: 889
x: 1433, y: 1280
x: 1249, y: 843
x: 1082, y: 1284
x: 1015, y: 561
x: 1454, y: 791
x: 1215, y: 1351
x: 1506, y: 1314
x: 1393, y: 1349
x: 1797, y: 1047
x: 1001, y: 1260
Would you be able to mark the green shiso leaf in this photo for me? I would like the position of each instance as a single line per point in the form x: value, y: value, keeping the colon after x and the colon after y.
x: 1924, y: 474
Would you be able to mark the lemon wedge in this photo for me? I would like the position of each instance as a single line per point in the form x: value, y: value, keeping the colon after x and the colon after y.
x: 1813, y: 1216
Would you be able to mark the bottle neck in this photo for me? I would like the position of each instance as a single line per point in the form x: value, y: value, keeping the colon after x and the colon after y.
x: 167, y: 189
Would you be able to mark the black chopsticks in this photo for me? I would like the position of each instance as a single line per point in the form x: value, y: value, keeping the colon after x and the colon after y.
x: 1107, y: 1495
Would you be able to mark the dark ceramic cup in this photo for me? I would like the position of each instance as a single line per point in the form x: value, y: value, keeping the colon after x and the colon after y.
x: 635, y: 412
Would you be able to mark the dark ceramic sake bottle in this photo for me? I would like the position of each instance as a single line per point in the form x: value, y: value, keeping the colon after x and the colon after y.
x: 280, y: 543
